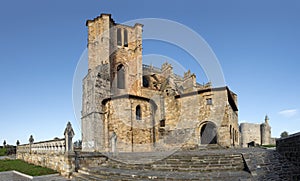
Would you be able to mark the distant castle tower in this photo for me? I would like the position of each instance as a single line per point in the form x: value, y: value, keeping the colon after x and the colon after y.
x: 259, y: 133
x: 265, y: 132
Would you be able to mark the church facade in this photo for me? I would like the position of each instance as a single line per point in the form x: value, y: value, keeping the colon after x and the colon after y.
x: 131, y: 107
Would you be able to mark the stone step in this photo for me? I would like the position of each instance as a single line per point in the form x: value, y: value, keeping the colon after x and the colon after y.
x: 120, y: 174
x: 187, y: 162
x: 144, y: 159
x: 183, y: 167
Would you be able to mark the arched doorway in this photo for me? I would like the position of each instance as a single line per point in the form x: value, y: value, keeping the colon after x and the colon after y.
x: 208, y: 133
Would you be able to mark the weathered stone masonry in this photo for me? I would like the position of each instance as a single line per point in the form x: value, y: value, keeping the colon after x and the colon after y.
x: 131, y: 107
x: 289, y: 147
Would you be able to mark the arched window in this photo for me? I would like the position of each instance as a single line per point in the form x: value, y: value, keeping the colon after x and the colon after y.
x: 138, y: 112
x: 121, y: 77
x: 119, y: 37
x: 145, y: 82
x: 230, y: 132
x: 125, y: 38
x: 162, y: 123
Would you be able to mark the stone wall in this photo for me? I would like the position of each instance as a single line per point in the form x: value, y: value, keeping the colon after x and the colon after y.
x: 62, y: 163
x: 65, y: 164
x: 273, y: 141
x: 51, y: 154
x: 133, y: 133
x: 289, y: 147
x: 250, y: 132
x: 89, y: 159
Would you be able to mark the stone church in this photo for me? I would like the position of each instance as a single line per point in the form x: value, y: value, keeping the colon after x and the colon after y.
x: 131, y: 107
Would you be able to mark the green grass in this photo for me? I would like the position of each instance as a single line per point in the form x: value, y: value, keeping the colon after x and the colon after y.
x: 2, y: 151
x: 23, y: 167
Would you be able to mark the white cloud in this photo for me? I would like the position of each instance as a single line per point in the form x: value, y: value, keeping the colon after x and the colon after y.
x: 289, y: 113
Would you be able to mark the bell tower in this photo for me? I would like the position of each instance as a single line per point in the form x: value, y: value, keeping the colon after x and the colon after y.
x: 126, y: 60
x: 114, y: 69
x: 120, y: 48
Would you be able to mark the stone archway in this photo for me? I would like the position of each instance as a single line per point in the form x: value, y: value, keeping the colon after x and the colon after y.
x: 208, y: 133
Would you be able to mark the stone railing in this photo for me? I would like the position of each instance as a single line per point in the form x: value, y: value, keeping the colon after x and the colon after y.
x: 289, y: 147
x: 51, y: 146
x: 23, y: 148
x: 57, y: 154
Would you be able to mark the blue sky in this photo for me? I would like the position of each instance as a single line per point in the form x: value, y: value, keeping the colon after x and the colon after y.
x: 256, y: 42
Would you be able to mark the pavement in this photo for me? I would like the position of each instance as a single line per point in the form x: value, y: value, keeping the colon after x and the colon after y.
x: 17, y: 176
x: 10, y: 157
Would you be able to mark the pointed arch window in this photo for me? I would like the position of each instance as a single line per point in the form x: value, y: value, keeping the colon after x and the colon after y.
x: 138, y: 112
x: 121, y: 76
x: 125, y: 38
x: 119, y: 37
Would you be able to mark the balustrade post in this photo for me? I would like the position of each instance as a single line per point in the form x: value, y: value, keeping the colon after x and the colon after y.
x: 69, y: 134
x: 31, y: 140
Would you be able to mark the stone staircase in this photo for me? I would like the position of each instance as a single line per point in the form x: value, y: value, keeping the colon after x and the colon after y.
x: 182, y: 165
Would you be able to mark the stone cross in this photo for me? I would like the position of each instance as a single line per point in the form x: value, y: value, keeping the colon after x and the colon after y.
x: 69, y: 134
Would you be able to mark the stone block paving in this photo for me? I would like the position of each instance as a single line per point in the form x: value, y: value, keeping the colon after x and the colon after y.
x: 16, y: 176
x: 11, y: 176
x: 120, y: 174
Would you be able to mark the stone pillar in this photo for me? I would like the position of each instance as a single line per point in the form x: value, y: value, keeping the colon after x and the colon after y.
x: 69, y: 134
x: 69, y: 165
x: 114, y: 142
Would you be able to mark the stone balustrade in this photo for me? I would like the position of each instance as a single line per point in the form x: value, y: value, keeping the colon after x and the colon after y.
x: 51, y: 146
x: 23, y: 148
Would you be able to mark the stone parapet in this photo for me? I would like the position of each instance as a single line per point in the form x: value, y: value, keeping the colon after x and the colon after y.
x: 289, y: 147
